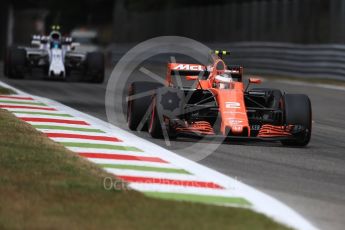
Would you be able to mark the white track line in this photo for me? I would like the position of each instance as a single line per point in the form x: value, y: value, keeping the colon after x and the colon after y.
x: 134, y: 163
x: 45, y: 116
x: 110, y: 152
x: 13, y: 104
x: 14, y: 110
x: 157, y: 175
x: 19, y: 100
x: 73, y: 132
x: 183, y: 189
x: 59, y: 124
x: 87, y: 141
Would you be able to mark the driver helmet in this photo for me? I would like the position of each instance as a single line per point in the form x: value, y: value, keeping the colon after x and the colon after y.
x: 55, y: 37
x: 223, y: 80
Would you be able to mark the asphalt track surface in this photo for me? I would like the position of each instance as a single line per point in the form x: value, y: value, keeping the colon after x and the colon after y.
x: 311, y: 180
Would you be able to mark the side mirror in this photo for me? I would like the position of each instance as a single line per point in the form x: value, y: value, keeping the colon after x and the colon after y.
x: 191, y: 78
x: 253, y: 80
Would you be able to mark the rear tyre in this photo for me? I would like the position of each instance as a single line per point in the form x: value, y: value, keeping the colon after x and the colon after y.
x: 137, y: 107
x: 298, y: 112
x: 15, y: 63
x: 95, y: 67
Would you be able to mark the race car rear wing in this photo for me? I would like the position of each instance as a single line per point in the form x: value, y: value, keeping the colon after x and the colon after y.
x: 183, y: 69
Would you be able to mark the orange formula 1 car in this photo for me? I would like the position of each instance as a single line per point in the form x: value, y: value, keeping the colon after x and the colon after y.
x: 218, y: 104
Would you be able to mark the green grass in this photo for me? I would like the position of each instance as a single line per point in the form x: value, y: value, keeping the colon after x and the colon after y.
x: 6, y: 91
x: 45, y: 186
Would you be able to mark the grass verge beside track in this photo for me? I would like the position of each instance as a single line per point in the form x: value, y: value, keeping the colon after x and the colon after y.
x: 6, y: 91
x: 45, y: 186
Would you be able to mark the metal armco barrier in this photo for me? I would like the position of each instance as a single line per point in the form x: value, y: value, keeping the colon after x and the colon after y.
x: 309, y: 61
x: 268, y: 58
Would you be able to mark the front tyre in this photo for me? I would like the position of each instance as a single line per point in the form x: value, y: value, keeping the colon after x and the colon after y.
x: 298, y: 112
x: 137, y: 106
x: 155, y: 127
x: 167, y: 105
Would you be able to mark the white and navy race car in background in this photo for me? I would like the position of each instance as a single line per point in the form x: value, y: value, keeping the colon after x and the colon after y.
x: 56, y: 55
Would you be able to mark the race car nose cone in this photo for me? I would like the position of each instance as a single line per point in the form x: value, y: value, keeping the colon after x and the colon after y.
x: 237, y: 129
